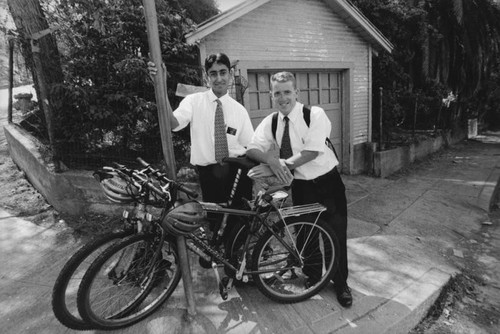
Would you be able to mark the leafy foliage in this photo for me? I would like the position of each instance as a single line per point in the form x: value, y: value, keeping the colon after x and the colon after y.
x: 106, y: 105
x: 437, y: 49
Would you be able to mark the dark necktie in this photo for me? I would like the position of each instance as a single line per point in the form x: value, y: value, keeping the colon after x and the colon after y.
x: 220, y: 139
x: 286, y: 147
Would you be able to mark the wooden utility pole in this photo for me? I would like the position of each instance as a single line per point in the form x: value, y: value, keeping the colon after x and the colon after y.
x: 164, y: 114
x: 160, y: 82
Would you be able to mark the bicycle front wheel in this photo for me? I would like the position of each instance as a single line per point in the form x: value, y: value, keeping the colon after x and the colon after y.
x: 117, y: 292
x: 70, y: 276
x: 295, y: 262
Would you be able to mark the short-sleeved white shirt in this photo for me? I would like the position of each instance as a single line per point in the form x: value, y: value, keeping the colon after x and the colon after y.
x: 199, y: 110
x: 302, y: 137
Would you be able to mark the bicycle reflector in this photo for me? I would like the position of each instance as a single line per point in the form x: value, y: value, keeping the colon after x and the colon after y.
x: 119, y: 190
x: 184, y: 219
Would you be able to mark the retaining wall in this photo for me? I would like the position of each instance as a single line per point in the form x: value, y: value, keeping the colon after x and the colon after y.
x: 390, y: 161
x: 74, y: 192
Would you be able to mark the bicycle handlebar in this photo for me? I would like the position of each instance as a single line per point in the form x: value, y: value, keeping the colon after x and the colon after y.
x: 164, y: 178
x: 135, y: 178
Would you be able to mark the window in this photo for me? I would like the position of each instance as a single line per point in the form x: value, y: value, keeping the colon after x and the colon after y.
x: 258, y: 85
x: 315, y: 88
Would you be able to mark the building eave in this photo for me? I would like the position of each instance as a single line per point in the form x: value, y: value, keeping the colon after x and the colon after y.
x: 349, y: 13
x: 215, y: 23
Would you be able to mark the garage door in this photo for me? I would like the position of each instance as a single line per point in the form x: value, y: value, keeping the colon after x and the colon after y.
x: 316, y: 88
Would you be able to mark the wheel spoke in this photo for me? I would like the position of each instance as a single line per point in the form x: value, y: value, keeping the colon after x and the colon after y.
x: 288, y: 278
x: 112, y: 300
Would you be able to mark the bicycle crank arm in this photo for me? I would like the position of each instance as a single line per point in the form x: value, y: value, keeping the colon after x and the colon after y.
x: 239, y: 274
x: 223, y: 286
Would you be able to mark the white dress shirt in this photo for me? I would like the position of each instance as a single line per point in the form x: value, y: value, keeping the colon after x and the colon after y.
x: 199, y: 110
x: 302, y: 138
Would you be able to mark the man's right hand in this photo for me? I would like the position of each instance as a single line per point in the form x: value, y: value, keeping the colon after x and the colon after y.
x: 280, y: 170
x: 152, y: 68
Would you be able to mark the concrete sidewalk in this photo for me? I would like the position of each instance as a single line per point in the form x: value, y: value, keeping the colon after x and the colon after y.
x: 402, y: 232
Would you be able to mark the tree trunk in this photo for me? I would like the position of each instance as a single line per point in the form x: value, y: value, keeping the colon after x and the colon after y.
x: 42, y: 58
x: 30, y: 19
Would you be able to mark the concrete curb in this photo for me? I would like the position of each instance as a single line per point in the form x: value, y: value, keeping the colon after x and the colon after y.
x: 396, y: 281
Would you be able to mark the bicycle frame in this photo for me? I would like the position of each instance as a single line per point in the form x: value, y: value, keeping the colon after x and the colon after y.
x: 258, y: 218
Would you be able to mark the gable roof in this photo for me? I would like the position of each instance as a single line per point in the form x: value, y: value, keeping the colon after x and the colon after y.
x: 350, y: 14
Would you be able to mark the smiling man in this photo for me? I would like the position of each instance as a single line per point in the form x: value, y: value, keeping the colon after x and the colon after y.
x: 219, y: 127
x: 300, y: 134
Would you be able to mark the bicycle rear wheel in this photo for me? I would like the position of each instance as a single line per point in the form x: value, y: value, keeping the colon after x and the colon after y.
x: 116, y: 291
x: 70, y: 276
x: 289, y: 279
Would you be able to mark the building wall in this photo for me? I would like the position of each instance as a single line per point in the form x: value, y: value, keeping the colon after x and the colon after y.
x: 288, y: 34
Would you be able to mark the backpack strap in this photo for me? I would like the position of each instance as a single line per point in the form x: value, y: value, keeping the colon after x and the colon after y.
x: 328, y: 142
x: 306, y: 112
x: 274, y: 124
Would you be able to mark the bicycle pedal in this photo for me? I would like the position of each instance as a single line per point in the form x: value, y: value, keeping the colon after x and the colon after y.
x: 228, y: 283
x: 224, y: 286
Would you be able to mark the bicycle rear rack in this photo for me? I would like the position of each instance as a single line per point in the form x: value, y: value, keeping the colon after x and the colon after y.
x: 299, y: 210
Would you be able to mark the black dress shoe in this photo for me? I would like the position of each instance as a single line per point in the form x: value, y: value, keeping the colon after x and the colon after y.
x: 344, y: 295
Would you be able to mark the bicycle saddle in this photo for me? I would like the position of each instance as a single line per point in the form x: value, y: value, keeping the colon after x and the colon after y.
x: 242, y: 162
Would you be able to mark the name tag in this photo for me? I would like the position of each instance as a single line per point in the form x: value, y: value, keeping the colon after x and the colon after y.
x: 231, y: 131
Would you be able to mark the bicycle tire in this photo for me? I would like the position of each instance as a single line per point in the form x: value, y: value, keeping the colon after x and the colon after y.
x: 315, y: 242
x: 69, y: 278
x: 147, y: 293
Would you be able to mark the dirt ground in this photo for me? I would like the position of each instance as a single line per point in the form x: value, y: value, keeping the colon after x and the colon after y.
x: 469, y: 304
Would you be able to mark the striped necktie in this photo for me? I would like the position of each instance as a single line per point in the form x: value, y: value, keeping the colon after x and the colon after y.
x: 220, y: 139
x: 286, y: 147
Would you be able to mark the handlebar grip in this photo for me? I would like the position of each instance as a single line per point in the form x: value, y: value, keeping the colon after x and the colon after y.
x: 142, y: 162
x: 189, y: 192
x: 156, y: 190
x: 117, y: 165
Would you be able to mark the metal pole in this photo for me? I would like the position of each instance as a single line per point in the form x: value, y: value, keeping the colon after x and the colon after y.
x: 186, y: 277
x: 381, y: 94
x: 160, y: 83
x: 11, y: 78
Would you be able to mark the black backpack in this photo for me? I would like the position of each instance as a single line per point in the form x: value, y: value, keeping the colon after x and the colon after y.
x: 306, y: 112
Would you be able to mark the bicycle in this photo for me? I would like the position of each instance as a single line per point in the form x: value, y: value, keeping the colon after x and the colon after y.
x: 292, y: 259
x: 133, y: 221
